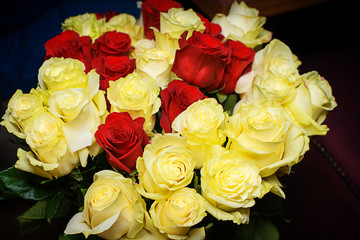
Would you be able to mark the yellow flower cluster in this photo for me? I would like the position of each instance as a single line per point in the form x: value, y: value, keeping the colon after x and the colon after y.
x: 58, y: 119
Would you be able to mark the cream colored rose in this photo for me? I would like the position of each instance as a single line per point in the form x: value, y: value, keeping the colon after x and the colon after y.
x: 176, y: 215
x: 136, y: 94
x: 177, y: 20
x: 264, y: 133
x: 243, y: 24
x: 166, y: 165
x: 45, y: 131
x: 50, y: 157
x: 112, y: 209
x: 68, y: 103
x: 157, y: 64
x: 172, y: 24
x: 79, y: 132
x: 165, y: 42
x: 59, y: 73
x: 230, y: 183
x: 274, y: 70
x: 141, y: 46
x: 85, y: 25
x: 270, y: 88
x: 313, y: 99
x: 202, y: 124
x: 125, y: 23
x: 82, y: 110
x: 321, y: 96
x: 22, y: 108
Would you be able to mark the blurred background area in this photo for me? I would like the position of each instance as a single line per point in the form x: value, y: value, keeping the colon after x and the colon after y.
x: 323, y: 190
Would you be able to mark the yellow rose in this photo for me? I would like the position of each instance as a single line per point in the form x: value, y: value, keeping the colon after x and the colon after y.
x: 274, y: 71
x: 136, y: 94
x: 125, y: 23
x: 202, y: 124
x: 230, y: 184
x: 50, y: 156
x: 68, y: 103
x: 321, y: 96
x: 270, y: 88
x: 112, y: 209
x: 141, y: 46
x: 264, y: 133
x: 85, y: 25
x: 172, y: 25
x: 22, y: 108
x: 176, y: 215
x: 83, y: 109
x: 157, y: 64
x: 45, y: 131
x: 79, y: 132
x: 166, y: 165
x: 165, y: 42
x: 313, y: 99
x: 243, y: 24
x: 177, y: 20
x: 59, y: 73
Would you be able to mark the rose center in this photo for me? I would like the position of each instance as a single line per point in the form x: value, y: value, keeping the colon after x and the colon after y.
x: 103, y: 197
x: 70, y: 101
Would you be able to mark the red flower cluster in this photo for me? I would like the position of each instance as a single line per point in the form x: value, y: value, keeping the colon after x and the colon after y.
x: 206, y: 62
x: 110, y: 58
x: 108, y: 54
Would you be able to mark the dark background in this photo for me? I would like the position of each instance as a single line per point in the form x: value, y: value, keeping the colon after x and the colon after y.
x: 323, y: 190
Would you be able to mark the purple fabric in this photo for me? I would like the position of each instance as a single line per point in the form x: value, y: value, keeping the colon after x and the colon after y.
x: 343, y: 139
x: 318, y: 203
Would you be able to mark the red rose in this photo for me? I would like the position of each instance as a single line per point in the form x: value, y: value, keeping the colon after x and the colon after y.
x: 241, y: 59
x: 69, y: 44
x: 111, y: 68
x: 175, y: 99
x: 112, y: 43
x: 211, y: 29
x: 201, y: 62
x: 123, y: 140
x: 108, y: 15
x: 151, y: 14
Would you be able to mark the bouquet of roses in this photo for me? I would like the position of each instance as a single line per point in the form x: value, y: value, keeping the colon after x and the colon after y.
x: 159, y: 127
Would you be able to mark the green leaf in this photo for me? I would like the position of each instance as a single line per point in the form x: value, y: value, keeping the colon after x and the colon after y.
x: 5, y: 193
x: 197, y: 186
x: 34, y: 218
x: 76, y: 174
x: 37, y: 211
x: 54, y: 204
x: 66, y: 207
x: 30, y: 226
x: 230, y: 103
x: 71, y: 237
x: 25, y: 185
x: 78, y: 237
x: 271, y: 205
x: 258, y: 229
x: 221, y: 97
